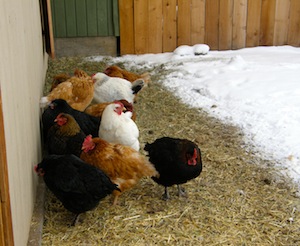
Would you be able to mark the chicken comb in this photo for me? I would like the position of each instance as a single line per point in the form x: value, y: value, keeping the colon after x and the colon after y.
x: 87, y: 142
x: 59, y: 116
x: 35, y: 168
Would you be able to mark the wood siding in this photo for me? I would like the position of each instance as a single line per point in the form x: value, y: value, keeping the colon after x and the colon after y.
x: 162, y: 25
x: 85, y: 18
x: 23, y: 66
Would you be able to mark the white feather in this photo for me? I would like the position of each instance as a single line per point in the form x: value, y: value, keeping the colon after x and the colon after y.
x: 108, y: 89
x: 120, y: 129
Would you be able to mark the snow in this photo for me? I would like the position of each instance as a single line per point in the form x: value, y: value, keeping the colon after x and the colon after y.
x: 256, y: 89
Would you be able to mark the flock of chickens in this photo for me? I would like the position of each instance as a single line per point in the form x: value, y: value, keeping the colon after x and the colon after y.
x: 92, y: 141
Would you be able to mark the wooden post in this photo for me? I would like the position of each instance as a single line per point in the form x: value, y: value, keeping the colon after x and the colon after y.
x: 6, y: 230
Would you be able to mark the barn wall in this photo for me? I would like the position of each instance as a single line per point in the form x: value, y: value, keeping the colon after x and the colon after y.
x: 23, y: 64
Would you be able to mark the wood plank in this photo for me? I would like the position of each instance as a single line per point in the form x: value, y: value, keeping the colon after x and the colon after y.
x: 6, y: 219
x: 225, y: 25
x: 155, y: 26
x: 93, y: 17
x: 71, y: 18
x: 60, y: 19
x: 141, y: 35
x: 281, y: 22
x: 197, y: 21
x: 81, y: 18
x: 2, y: 235
x: 101, y: 18
x: 115, y: 18
x: 126, y: 27
x: 183, y: 22
x: 294, y: 27
x: 267, y: 22
x: 239, y: 24
x: 109, y: 20
x: 49, y: 35
x: 169, y: 25
x: 253, y: 23
x: 212, y: 24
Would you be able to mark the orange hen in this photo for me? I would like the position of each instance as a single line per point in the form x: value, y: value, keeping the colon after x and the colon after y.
x: 78, y: 91
x: 115, y: 71
x: 122, y: 164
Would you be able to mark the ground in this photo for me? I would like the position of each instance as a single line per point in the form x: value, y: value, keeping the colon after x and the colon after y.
x: 239, y: 198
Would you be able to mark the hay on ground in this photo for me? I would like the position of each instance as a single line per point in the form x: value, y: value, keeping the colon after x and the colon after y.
x: 239, y: 198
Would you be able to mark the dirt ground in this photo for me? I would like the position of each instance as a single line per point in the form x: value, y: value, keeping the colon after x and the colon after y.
x: 238, y: 199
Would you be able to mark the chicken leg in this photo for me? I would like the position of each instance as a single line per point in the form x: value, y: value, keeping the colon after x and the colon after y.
x: 181, y: 191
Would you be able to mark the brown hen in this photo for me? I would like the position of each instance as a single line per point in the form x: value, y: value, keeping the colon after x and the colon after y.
x: 77, y: 91
x: 122, y: 164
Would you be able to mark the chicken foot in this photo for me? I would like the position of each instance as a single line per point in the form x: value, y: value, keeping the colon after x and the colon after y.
x: 181, y: 191
x: 166, y: 195
x: 75, y: 220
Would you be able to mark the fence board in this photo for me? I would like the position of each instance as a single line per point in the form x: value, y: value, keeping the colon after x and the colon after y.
x: 294, y: 27
x: 253, y: 23
x: 183, y: 23
x: 71, y: 19
x: 197, y: 21
x: 115, y: 18
x: 212, y: 24
x: 81, y: 18
x: 281, y: 22
x: 155, y: 26
x: 267, y: 22
x: 92, y: 21
x: 169, y: 25
x: 109, y: 24
x: 126, y: 27
x: 60, y: 29
x: 101, y: 18
x: 239, y: 24
x: 141, y: 26
x: 225, y: 25
x: 222, y: 24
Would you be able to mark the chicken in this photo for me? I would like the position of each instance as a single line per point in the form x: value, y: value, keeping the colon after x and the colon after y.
x: 88, y: 124
x: 115, y: 71
x: 176, y: 160
x: 59, y: 78
x: 65, y: 137
x: 122, y: 164
x: 78, y: 185
x: 97, y: 109
x: 108, y: 89
x: 78, y: 91
x: 118, y: 127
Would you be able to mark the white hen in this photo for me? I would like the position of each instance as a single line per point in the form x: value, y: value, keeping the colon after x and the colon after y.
x: 118, y: 127
x: 108, y: 89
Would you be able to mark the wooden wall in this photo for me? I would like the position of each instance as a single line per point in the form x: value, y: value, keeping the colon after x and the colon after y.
x: 23, y: 64
x: 85, y: 18
x: 155, y: 26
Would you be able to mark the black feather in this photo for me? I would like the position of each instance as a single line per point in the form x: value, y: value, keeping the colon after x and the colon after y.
x: 78, y: 185
x: 169, y: 156
x: 88, y: 123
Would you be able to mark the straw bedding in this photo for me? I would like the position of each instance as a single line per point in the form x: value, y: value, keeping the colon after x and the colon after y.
x: 238, y: 199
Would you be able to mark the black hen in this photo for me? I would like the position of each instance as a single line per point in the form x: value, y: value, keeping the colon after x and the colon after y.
x: 78, y: 185
x: 176, y: 160
x: 89, y: 124
x: 65, y: 136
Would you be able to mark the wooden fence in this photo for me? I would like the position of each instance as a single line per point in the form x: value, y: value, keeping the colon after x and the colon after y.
x: 155, y: 26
